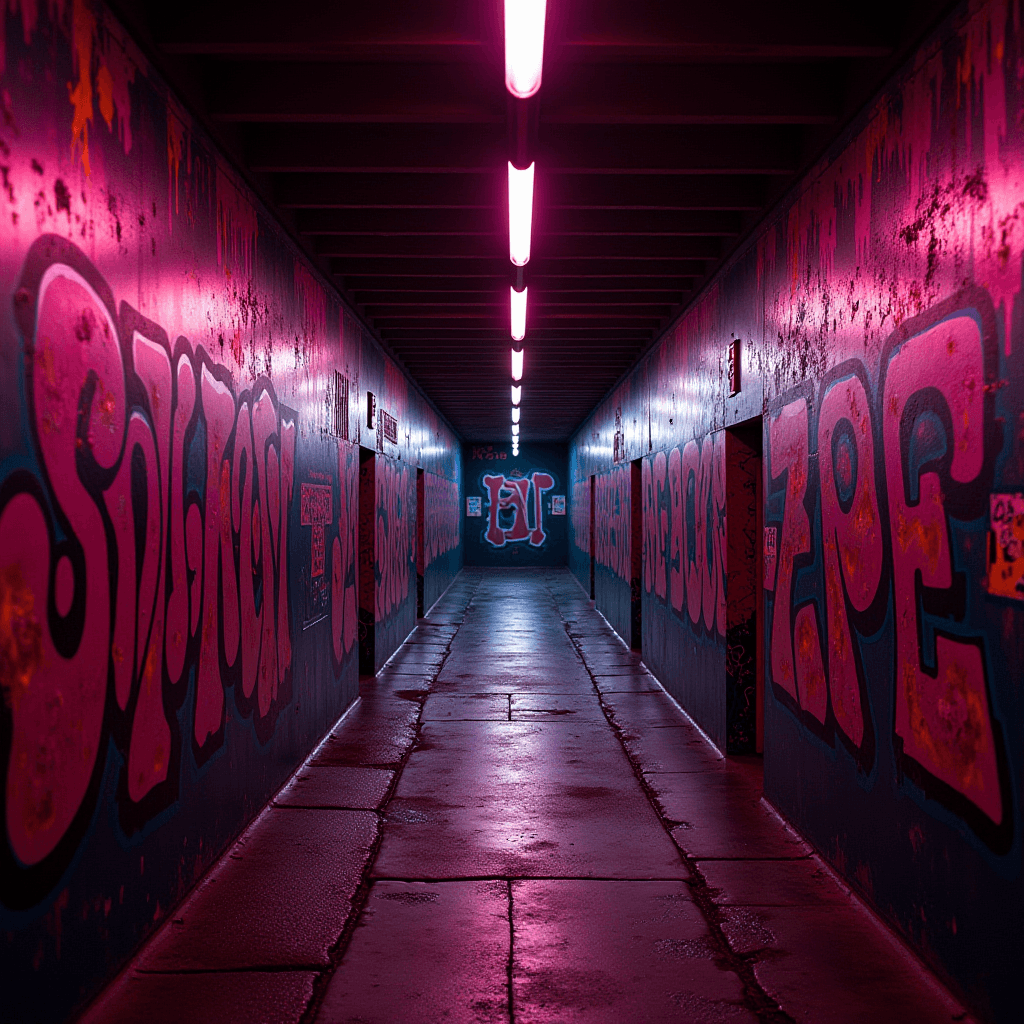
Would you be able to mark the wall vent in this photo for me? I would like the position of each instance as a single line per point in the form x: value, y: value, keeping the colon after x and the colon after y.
x: 339, y: 406
x: 390, y: 427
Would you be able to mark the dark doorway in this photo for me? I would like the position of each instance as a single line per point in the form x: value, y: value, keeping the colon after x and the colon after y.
x: 745, y: 616
x: 367, y: 560
x: 636, y: 551
x: 593, y: 530
x: 421, y: 519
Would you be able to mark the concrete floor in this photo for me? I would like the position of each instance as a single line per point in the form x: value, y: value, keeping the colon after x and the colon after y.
x: 515, y: 823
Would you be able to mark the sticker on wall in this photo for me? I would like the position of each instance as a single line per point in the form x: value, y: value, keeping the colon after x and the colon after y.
x: 771, y: 534
x: 558, y: 505
x: 1006, y: 546
x: 474, y: 506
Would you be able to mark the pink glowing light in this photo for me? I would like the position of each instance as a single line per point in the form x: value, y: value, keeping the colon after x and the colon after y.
x: 517, y: 394
x: 524, y: 46
x: 518, y: 314
x: 517, y: 364
x: 520, y: 213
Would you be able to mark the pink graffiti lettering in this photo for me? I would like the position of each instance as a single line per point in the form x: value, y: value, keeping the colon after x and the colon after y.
x: 395, y: 533
x: 796, y: 672
x: 649, y: 534
x: 684, y: 526
x: 315, y: 511
x: 441, y: 530
x: 580, y: 515
x: 344, y: 613
x: 116, y: 430
x: 852, y: 538
x: 942, y: 713
x: 690, y: 469
x: 660, y: 523
x: 56, y: 695
x: 612, y: 525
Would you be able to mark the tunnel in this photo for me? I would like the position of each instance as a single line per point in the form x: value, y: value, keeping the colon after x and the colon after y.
x: 511, y: 511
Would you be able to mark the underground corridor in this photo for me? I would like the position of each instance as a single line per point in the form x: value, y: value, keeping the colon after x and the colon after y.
x: 511, y: 511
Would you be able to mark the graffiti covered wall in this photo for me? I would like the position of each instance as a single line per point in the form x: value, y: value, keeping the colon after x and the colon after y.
x: 515, y: 512
x: 579, y: 529
x: 179, y: 476
x: 881, y: 334
x: 442, y: 536
x: 613, y: 548
x: 392, y: 614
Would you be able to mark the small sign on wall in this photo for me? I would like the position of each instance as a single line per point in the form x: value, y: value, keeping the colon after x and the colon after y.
x: 771, y: 535
x: 1006, y: 546
x: 733, y: 363
x: 558, y: 504
x: 390, y: 427
x: 474, y: 506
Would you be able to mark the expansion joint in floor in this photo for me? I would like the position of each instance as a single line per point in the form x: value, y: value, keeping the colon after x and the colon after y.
x: 367, y: 880
x: 755, y: 998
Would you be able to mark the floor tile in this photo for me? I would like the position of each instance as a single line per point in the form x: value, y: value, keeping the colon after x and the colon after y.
x: 280, y: 898
x: 597, y: 952
x: 483, y: 707
x: 425, y: 953
x: 522, y: 799
x: 378, y: 731
x: 241, y: 997
x: 337, y: 787
x: 836, y: 965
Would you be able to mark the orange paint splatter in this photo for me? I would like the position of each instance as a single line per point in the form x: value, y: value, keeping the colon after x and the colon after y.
x: 80, y: 94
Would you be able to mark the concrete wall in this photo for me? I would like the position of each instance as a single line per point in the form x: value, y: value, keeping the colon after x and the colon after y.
x: 517, y: 521
x: 882, y: 339
x: 179, y: 484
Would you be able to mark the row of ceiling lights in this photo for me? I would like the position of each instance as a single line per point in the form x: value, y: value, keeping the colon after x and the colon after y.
x: 524, y: 61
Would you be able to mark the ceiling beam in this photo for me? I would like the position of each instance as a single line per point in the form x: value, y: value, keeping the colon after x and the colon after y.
x: 383, y: 30
x: 475, y: 335
x: 576, y: 149
x: 318, y: 92
x: 427, y: 93
x: 493, y: 222
x: 540, y: 299
x: 477, y: 289
x: 472, y: 247
x: 486, y: 190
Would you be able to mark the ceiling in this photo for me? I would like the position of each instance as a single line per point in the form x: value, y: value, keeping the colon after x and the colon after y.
x: 379, y: 133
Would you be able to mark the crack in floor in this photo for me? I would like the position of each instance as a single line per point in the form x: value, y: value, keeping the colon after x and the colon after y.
x: 362, y: 894
x: 756, y: 999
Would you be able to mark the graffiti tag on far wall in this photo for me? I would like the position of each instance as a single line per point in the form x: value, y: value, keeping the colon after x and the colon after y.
x: 515, y: 511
